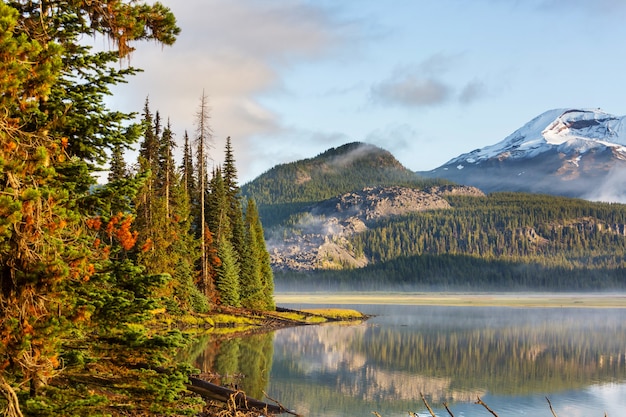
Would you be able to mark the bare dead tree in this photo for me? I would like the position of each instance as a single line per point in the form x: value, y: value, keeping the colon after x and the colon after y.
x: 479, y: 401
x: 448, y: 410
x: 551, y: 409
x: 430, y: 410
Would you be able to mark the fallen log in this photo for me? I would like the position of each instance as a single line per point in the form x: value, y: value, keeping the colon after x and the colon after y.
x: 212, y: 391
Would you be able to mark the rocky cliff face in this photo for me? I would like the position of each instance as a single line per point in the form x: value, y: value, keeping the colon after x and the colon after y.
x: 319, y: 239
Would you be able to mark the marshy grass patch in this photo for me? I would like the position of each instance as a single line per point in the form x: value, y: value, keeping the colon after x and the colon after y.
x: 342, y: 314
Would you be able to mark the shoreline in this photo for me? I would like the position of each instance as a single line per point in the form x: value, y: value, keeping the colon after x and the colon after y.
x: 459, y: 299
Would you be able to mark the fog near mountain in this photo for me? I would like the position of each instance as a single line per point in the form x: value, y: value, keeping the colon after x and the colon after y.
x: 353, y: 154
x: 612, y: 189
x: 318, y: 237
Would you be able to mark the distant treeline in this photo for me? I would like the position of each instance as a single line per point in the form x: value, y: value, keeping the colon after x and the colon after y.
x: 456, y: 273
x: 501, y: 241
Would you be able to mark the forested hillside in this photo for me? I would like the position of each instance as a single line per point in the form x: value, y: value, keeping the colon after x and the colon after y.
x: 287, y: 188
x: 319, y: 221
x: 500, y: 241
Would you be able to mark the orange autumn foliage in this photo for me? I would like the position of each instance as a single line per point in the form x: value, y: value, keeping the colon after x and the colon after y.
x: 120, y: 227
x: 94, y: 223
x: 148, y: 245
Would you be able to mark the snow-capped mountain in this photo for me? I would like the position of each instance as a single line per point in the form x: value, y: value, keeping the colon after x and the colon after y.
x: 570, y: 152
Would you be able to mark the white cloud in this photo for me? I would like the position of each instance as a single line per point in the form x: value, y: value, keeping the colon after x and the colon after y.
x: 423, y: 84
x: 234, y: 52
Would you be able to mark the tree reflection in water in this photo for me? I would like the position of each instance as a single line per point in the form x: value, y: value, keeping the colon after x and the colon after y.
x: 242, y: 361
x: 451, y: 354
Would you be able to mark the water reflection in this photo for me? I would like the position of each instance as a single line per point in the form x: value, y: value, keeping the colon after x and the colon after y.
x: 513, y: 357
x: 245, y: 362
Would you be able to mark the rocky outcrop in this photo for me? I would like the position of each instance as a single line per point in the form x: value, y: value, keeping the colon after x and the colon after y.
x: 320, y: 238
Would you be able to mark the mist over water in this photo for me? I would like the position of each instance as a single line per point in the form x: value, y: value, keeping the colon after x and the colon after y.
x: 511, y: 357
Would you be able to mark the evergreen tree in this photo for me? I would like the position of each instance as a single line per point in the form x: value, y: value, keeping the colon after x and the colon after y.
x: 118, y: 169
x: 227, y: 279
x: 217, y: 207
x: 230, y: 172
x: 261, y: 257
x: 187, y: 169
x: 150, y: 210
x: 149, y: 147
x: 54, y: 129
x: 245, y: 258
x: 167, y: 172
x: 251, y: 282
x: 184, y: 252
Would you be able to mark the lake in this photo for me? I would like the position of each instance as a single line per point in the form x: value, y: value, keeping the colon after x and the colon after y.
x: 510, y: 357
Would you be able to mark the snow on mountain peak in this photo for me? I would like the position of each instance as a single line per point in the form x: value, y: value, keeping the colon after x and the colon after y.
x: 585, y: 124
x: 569, y: 130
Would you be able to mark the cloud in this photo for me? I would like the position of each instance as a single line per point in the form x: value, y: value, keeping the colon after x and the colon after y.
x: 395, y: 138
x: 422, y: 85
x: 234, y: 52
x: 612, y: 189
x: 410, y: 90
x: 271, y: 31
x: 472, y: 92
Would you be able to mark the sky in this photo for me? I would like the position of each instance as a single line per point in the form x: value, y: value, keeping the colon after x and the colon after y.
x: 426, y: 80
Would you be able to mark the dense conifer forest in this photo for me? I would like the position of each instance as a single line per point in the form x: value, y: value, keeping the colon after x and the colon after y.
x: 94, y: 275
x: 99, y: 278
x: 501, y: 241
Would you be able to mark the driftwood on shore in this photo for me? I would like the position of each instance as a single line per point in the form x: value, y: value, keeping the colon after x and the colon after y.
x: 478, y: 401
x: 235, y: 397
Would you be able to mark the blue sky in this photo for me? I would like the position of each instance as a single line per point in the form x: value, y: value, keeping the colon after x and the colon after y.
x: 425, y: 79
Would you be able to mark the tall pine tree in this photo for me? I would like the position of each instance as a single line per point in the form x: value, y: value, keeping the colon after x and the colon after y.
x: 203, y: 142
x: 262, y: 280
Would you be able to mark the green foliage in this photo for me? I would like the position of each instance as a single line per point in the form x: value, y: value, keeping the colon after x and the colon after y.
x: 227, y: 280
x: 93, y: 268
x: 245, y: 362
x: 543, y: 229
x: 353, y: 166
x: 502, y: 241
x: 59, y: 402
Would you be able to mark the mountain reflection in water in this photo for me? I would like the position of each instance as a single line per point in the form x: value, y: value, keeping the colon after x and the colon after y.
x: 512, y: 358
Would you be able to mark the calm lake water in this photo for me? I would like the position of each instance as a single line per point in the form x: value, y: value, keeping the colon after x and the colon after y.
x: 512, y: 358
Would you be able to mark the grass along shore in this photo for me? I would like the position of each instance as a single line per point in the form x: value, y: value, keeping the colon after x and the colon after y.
x: 526, y: 300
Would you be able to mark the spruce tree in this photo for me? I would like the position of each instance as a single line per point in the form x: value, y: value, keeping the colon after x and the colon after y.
x: 118, y: 169
x: 54, y: 130
x: 252, y: 295
x: 227, y: 279
x: 167, y: 172
x: 188, y: 174
x: 245, y: 258
x: 261, y: 256
x: 217, y: 207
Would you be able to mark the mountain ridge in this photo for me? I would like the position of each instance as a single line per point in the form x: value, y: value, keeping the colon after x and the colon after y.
x: 365, y: 221
x: 569, y: 152
x: 349, y: 167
